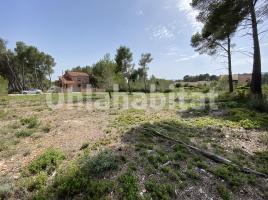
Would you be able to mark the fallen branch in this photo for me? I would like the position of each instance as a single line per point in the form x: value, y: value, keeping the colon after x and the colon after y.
x: 211, y: 156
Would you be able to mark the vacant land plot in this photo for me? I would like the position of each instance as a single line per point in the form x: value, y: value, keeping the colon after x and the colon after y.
x: 90, y: 148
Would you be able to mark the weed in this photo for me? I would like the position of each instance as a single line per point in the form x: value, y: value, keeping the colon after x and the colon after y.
x: 101, y: 163
x: 31, y: 122
x: 224, y: 193
x: 232, y: 175
x: 37, y: 182
x: 48, y: 162
x: 192, y: 174
x: 24, y: 133
x: 128, y: 186
x: 159, y: 191
x: 261, y: 159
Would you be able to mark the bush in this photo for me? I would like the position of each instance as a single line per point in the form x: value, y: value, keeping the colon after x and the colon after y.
x: 159, y: 191
x: 36, y: 183
x: 128, y: 186
x: 101, y: 163
x: 24, y: 133
x: 224, y: 193
x: 259, y: 104
x: 48, y: 162
x: 31, y: 122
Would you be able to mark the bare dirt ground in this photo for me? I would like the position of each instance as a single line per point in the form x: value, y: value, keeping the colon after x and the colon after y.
x: 70, y: 129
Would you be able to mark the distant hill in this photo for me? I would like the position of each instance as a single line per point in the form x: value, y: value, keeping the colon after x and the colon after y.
x: 3, y: 86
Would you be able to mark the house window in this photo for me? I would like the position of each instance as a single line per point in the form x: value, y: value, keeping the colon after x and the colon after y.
x: 78, y: 79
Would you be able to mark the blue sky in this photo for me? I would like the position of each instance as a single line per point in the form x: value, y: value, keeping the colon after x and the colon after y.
x: 80, y: 32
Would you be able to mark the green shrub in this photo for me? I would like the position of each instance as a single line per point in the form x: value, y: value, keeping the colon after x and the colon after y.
x: 37, y: 182
x: 128, y: 186
x: 261, y: 159
x: 101, y: 163
x: 224, y: 193
x: 24, y: 133
x: 232, y: 175
x: 249, y: 124
x: 159, y: 191
x: 31, y: 122
x: 48, y: 162
x: 259, y: 104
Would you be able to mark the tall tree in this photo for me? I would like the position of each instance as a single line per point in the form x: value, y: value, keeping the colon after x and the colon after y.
x: 104, y: 72
x: 144, y: 61
x: 25, y: 67
x: 124, y: 63
x: 220, y: 22
x: 248, y: 11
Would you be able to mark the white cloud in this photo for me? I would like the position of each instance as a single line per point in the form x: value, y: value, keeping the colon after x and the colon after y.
x: 161, y: 32
x: 190, y: 14
x: 186, y: 58
x: 139, y: 13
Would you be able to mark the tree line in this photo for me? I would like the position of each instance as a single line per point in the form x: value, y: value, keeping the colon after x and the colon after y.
x: 120, y: 70
x: 25, y: 67
x: 221, y: 19
x: 200, y: 77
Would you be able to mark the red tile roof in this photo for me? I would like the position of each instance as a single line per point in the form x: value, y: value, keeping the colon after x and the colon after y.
x: 66, y: 81
x: 78, y: 74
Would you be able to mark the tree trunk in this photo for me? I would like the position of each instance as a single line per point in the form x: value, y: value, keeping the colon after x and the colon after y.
x: 129, y: 88
x: 230, y: 75
x: 16, y: 81
x: 144, y: 79
x: 256, y: 74
x: 110, y: 94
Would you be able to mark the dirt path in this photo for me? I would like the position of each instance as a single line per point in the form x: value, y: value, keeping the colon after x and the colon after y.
x: 69, y: 130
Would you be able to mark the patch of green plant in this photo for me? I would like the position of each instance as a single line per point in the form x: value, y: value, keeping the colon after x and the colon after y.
x: 36, y: 182
x: 224, y: 192
x: 155, y: 159
x: 181, y: 153
x: 24, y: 133
x: 31, y: 122
x: 101, y: 163
x: 261, y: 159
x: 159, y: 191
x: 77, y: 181
x: 190, y: 173
x: 128, y: 186
x: 247, y: 118
x: 48, y: 162
x: 231, y: 175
